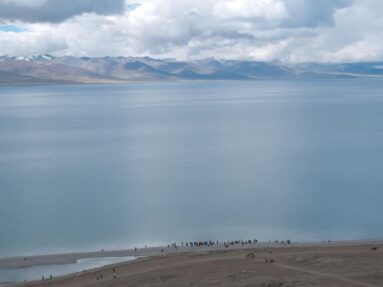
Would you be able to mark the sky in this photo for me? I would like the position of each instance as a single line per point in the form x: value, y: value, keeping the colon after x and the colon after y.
x: 292, y: 31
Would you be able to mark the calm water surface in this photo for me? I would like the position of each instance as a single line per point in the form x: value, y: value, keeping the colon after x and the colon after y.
x: 38, y: 272
x: 113, y: 166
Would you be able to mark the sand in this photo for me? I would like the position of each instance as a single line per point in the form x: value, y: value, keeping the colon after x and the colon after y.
x: 320, y: 264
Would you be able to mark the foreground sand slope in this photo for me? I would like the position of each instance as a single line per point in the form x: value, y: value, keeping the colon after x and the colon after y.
x: 293, y: 266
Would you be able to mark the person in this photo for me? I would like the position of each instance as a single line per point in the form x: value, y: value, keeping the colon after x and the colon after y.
x: 114, y: 276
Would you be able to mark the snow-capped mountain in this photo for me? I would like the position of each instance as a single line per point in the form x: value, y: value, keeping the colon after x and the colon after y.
x: 67, y: 69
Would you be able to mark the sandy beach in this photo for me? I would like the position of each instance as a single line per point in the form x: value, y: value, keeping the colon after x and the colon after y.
x: 310, y: 264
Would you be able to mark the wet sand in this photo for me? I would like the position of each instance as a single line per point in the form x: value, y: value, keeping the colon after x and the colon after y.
x: 322, y: 264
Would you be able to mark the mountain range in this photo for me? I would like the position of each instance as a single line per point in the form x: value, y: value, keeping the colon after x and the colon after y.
x: 47, y: 69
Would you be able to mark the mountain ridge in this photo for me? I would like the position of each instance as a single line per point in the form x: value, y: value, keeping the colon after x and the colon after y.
x: 67, y: 69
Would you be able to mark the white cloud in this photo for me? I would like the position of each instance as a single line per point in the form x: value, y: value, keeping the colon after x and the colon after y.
x: 30, y: 43
x: 262, y: 9
x: 285, y: 30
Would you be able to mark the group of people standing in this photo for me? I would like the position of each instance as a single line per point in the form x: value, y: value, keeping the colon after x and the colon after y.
x: 100, y: 277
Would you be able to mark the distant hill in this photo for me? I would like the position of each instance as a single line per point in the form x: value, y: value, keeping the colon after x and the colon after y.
x: 47, y: 69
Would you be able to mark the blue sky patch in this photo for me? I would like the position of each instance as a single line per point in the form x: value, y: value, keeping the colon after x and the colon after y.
x: 133, y: 6
x: 11, y: 28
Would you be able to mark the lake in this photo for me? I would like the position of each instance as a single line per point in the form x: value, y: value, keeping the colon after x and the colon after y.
x: 117, y: 166
x: 40, y: 272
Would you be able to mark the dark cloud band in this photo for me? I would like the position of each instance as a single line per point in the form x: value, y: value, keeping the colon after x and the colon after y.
x: 56, y: 11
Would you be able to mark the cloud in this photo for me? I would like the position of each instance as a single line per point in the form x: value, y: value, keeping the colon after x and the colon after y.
x: 248, y: 9
x: 313, y: 13
x: 30, y: 43
x: 55, y: 10
x: 264, y: 30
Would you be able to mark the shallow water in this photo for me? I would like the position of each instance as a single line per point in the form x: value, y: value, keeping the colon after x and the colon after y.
x: 115, y: 166
x: 38, y: 272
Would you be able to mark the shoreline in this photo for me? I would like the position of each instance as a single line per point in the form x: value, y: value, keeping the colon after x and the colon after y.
x: 128, y: 82
x: 318, y: 260
x: 18, y: 262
